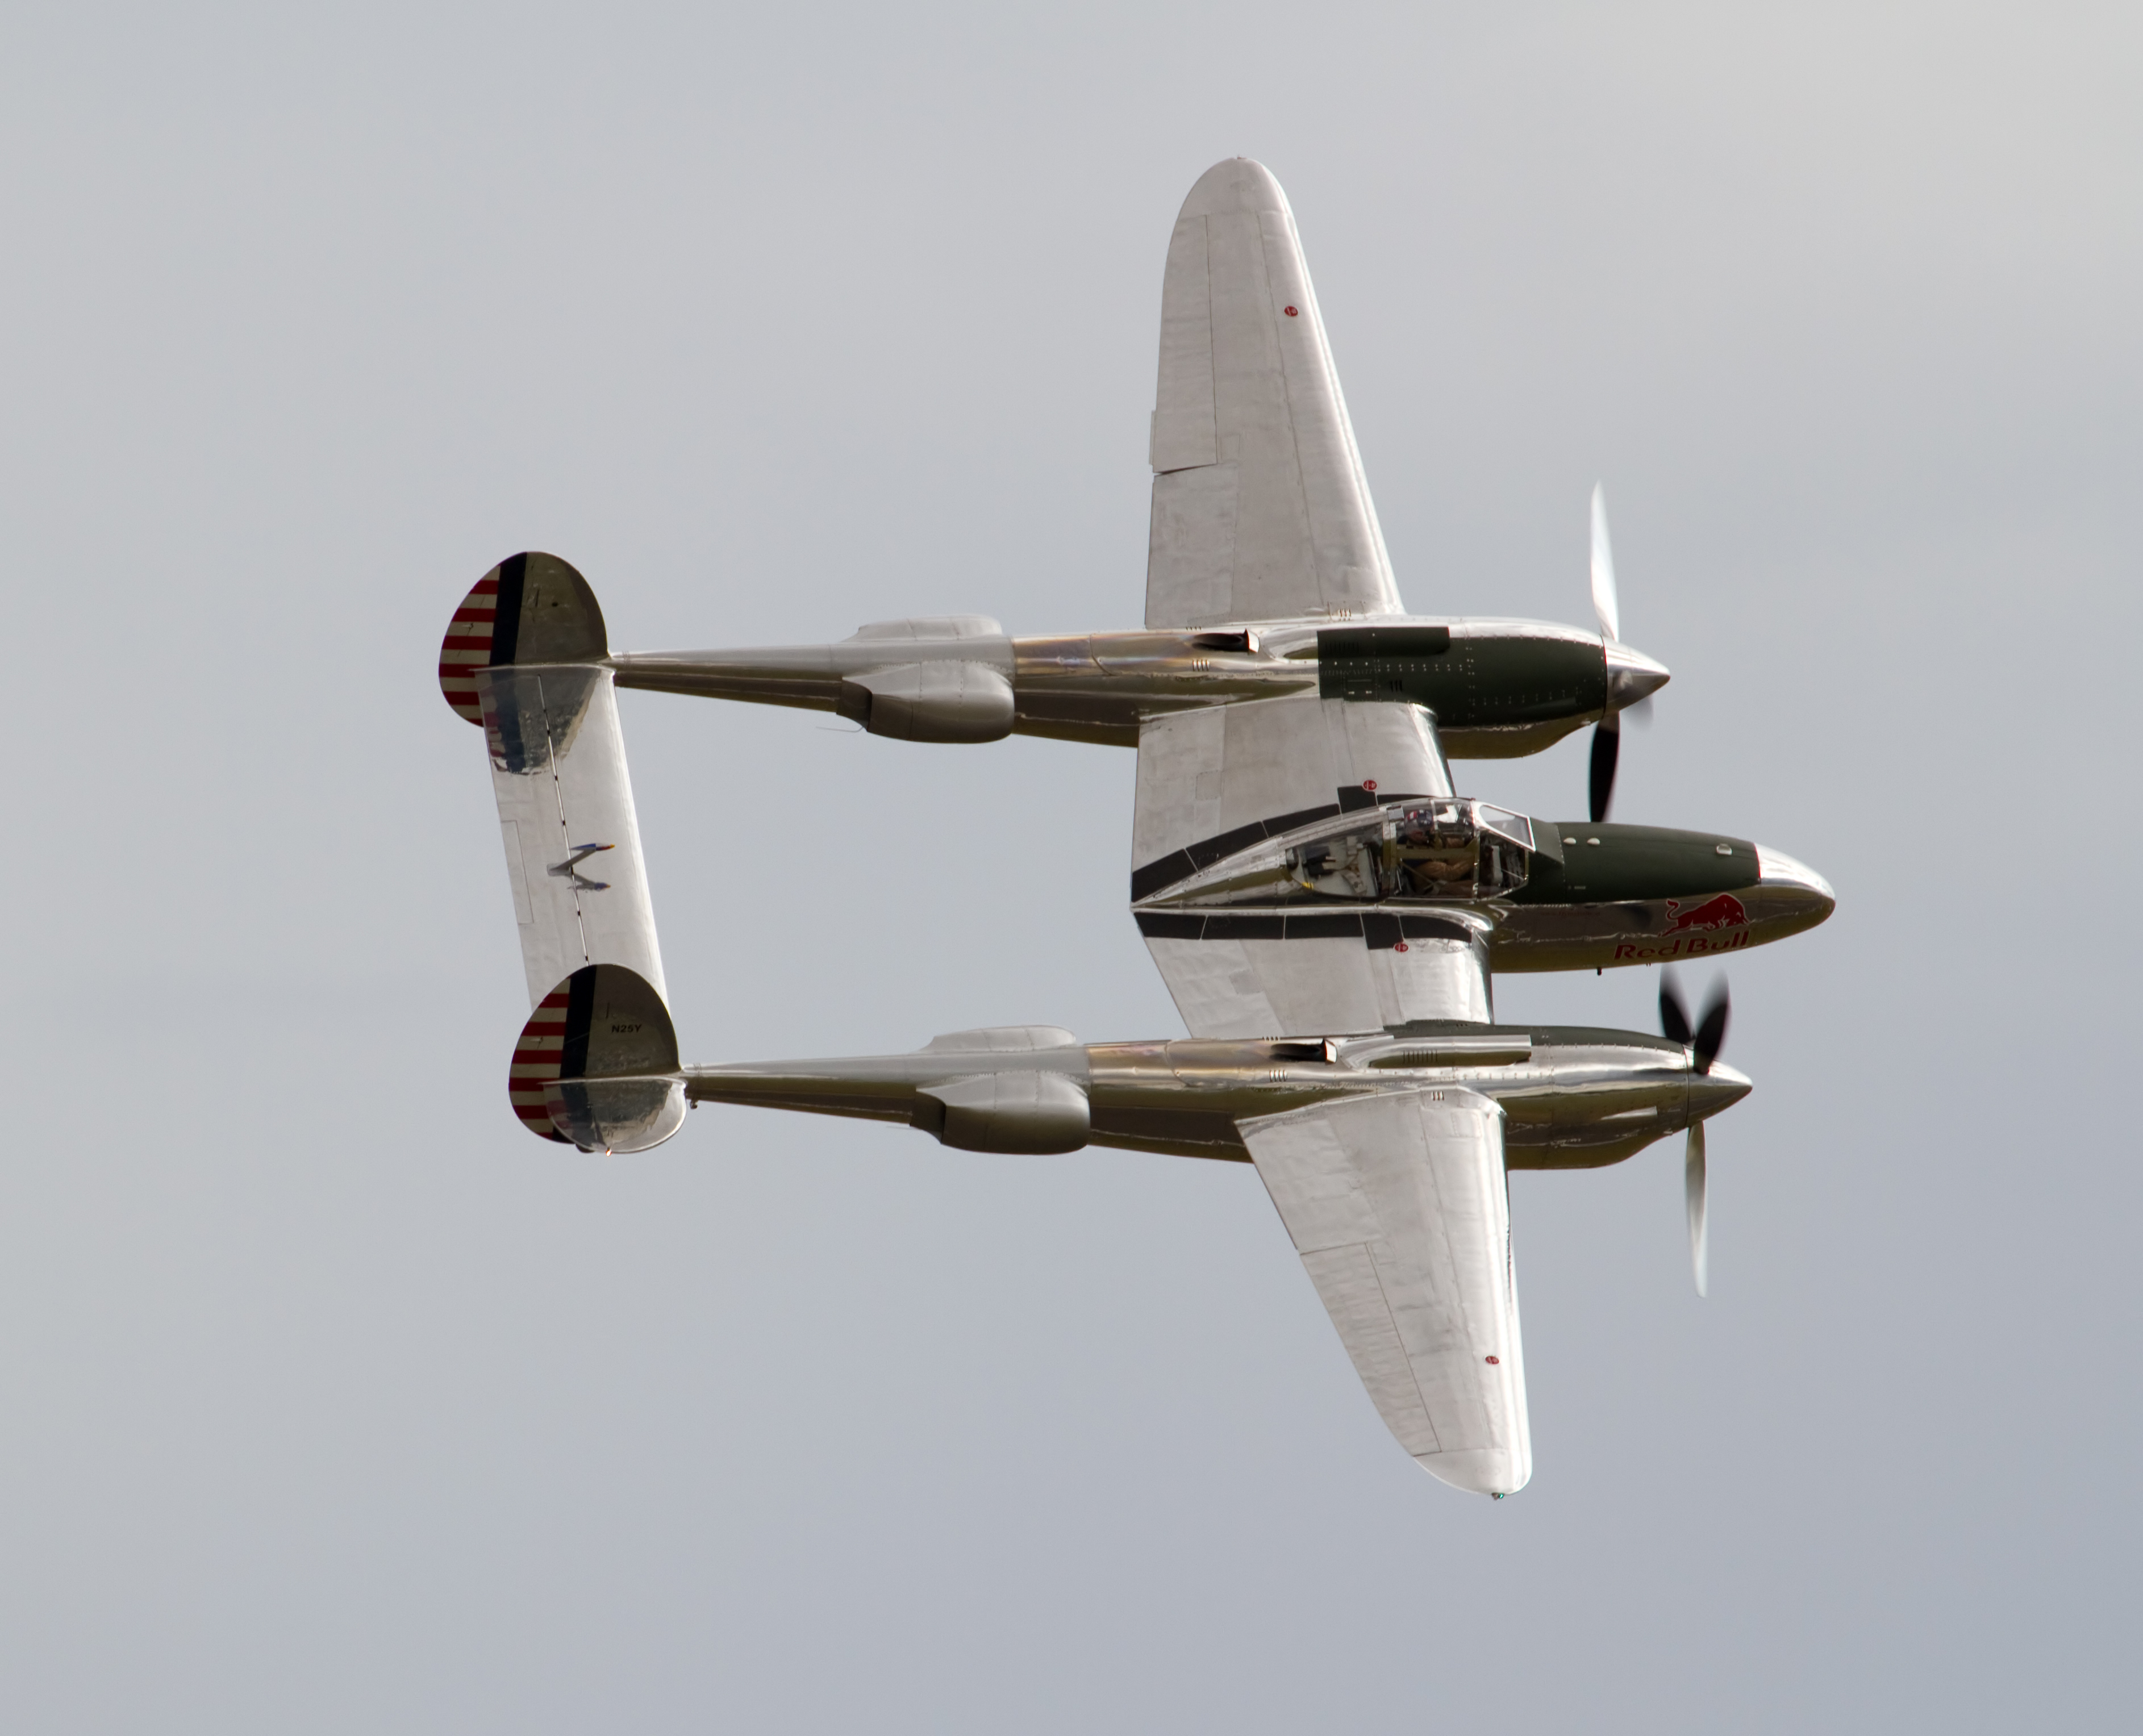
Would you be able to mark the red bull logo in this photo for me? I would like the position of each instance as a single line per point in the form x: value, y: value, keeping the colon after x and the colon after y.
x: 1686, y: 935
x: 1723, y: 911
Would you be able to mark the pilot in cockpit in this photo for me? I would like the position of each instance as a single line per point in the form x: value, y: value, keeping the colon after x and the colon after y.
x: 1434, y: 863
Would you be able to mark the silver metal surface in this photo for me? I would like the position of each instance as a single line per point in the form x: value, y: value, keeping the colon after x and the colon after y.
x: 951, y: 700
x: 1575, y: 1098
x: 1399, y: 1207
x: 1632, y: 675
x: 1261, y: 510
x: 573, y: 861
x: 1606, y: 605
x: 1694, y: 1182
x: 1469, y: 860
x: 1100, y: 687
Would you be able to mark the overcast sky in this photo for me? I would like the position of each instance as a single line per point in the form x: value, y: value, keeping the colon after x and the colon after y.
x: 330, y: 1401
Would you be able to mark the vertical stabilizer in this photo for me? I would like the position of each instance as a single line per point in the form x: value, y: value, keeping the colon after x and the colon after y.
x: 595, y: 1065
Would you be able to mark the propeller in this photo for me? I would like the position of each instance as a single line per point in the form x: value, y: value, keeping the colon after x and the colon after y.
x: 1604, y: 603
x: 1692, y: 1189
x: 1704, y: 1042
x: 1607, y: 735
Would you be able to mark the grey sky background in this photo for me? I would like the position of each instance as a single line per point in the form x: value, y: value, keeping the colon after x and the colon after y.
x: 331, y: 1402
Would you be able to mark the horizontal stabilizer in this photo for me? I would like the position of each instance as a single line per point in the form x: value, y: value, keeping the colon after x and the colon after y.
x: 530, y: 608
x: 525, y: 657
x: 596, y: 1064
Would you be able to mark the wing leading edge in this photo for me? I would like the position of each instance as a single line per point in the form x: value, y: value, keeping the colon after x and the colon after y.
x: 1398, y: 1205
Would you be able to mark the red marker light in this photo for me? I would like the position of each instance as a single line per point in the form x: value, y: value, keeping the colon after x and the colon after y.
x: 1290, y: 312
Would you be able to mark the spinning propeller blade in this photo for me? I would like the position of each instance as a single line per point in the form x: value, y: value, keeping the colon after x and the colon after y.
x: 1606, y: 749
x: 1711, y: 1028
x: 1674, y: 1017
x: 1603, y: 604
x: 1708, y: 1036
x: 1692, y: 1183
x: 1704, y: 1043
x: 1607, y: 737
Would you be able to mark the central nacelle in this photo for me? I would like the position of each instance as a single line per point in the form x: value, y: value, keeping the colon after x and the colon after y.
x: 1541, y: 895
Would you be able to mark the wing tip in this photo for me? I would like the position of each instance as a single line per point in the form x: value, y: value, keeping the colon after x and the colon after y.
x: 1235, y: 184
x: 1495, y: 1471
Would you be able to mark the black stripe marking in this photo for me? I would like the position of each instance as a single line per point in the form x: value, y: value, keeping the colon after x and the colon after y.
x: 1168, y: 925
x: 1376, y: 928
x: 1164, y: 871
x: 1338, y: 643
x: 506, y: 620
x: 1434, y: 928
x: 1182, y: 864
x: 580, y: 1016
x: 1245, y: 928
x: 1381, y: 931
x: 1176, y: 925
x: 1324, y: 927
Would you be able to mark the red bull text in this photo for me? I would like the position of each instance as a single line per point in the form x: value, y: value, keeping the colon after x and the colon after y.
x: 1690, y: 933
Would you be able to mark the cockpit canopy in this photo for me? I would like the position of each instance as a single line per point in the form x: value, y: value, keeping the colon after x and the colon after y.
x: 1445, y: 847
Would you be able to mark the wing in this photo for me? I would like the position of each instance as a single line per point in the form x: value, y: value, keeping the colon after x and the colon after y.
x: 1399, y: 1208
x: 1212, y: 782
x: 524, y: 658
x: 1260, y: 509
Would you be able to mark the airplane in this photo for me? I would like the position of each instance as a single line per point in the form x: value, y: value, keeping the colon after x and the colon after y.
x: 1327, y: 911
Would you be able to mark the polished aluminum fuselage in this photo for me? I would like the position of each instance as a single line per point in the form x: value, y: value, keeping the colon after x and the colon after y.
x: 1573, y: 1097
x: 1100, y: 687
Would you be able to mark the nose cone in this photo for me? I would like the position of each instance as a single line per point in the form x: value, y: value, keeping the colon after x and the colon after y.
x: 1794, y: 884
x: 1632, y: 675
x: 1721, y: 1088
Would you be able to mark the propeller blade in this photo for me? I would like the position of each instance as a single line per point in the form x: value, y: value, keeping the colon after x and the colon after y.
x: 1673, y: 1014
x: 1603, y: 604
x: 1693, y: 1188
x: 1606, y: 749
x: 1711, y: 1029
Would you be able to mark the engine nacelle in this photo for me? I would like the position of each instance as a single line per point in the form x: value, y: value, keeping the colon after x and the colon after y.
x: 1032, y: 1112
x: 947, y: 701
